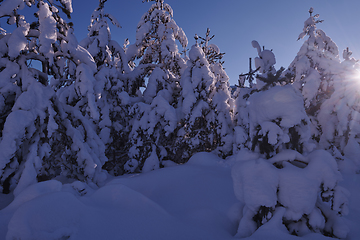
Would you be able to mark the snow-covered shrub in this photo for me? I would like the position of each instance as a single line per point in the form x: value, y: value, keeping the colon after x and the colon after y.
x: 304, y: 188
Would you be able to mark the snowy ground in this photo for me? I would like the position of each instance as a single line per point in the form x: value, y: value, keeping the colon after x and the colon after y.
x: 191, y: 201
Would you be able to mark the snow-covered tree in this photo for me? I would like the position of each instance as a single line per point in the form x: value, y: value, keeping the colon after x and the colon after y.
x: 212, y: 51
x: 21, y: 86
x: 155, y: 119
x: 272, y: 116
x: 152, y: 134
x: 277, y: 120
x: 241, y: 118
x: 197, y: 130
x: 222, y: 103
x: 339, y: 115
x: 111, y: 92
x: 264, y: 63
x: 34, y: 124
x: 295, y: 185
x: 315, y: 68
x: 156, y: 37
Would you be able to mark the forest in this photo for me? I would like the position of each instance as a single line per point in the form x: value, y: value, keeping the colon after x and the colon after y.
x: 90, y: 110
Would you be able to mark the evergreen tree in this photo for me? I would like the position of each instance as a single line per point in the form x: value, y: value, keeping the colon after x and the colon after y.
x: 274, y: 188
x: 156, y: 45
x: 222, y: 103
x: 315, y: 69
x: 339, y: 116
x: 113, y: 100
x: 155, y: 119
x: 197, y: 130
x: 271, y: 129
x: 28, y: 146
x: 152, y: 134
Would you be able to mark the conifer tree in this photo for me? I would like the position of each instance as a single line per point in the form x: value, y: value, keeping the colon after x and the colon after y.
x: 112, y: 95
x: 222, y: 103
x: 155, y: 119
x: 272, y: 129
x: 156, y: 44
x: 339, y: 116
x: 41, y: 120
x: 197, y: 130
x: 315, y: 69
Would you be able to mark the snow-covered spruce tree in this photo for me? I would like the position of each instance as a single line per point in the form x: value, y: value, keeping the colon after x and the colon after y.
x: 339, y: 116
x: 265, y: 64
x: 155, y: 119
x: 241, y: 124
x: 272, y: 115
x: 156, y: 45
x: 152, y: 133
x: 315, y: 69
x: 212, y: 51
x: 222, y: 102
x: 197, y: 130
x: 33, y: 122
x: 285, y: 180
x: 245, y: 87
x: 112, y: 95
x: 293, y: 185
x: 268, y: 77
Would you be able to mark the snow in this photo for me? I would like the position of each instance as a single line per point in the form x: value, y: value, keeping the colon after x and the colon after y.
x: 48, y: 33
x: 8, y: 6
x: 67, y: 4
x: 278, y: 102
x: 160, y: 204
x: 17, y: 41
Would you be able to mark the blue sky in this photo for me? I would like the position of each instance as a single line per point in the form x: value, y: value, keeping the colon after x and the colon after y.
x: 235, y: 23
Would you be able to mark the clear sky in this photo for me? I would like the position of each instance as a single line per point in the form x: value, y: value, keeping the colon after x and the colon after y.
x: 235, y: 23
